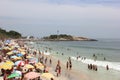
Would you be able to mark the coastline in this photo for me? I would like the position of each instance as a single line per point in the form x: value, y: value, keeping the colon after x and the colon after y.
x: 67, y: 74
x: 83, y: 71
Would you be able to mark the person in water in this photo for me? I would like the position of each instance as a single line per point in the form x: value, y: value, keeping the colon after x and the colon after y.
x: 107, y: 67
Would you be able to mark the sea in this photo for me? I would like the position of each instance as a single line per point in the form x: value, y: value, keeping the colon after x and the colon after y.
x: 101, y: 53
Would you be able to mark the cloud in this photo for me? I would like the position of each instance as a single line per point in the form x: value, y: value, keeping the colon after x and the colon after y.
x: 60, y: 14
x: 44, y: 10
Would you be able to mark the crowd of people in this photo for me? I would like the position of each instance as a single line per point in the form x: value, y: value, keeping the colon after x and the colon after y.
x: 16, y: 57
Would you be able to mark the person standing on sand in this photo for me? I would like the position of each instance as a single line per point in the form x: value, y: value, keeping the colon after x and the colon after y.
x: 58, y: 69
x: 67, y: 64
x: 50, y: 61
x: 70, y: 65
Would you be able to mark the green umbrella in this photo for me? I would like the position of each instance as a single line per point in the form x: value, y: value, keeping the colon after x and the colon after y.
x: 13, y: 75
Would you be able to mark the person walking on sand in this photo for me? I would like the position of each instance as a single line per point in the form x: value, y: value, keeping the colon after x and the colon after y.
x: 58, y: 70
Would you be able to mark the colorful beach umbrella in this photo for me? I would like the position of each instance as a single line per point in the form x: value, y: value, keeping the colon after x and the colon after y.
x: 31, y: 75
x: 17, y: 58
x: 19, y: 54
x: 13, y: 75
x: 19, y: 63
x: 10, y: 53
x: 6, y: 66
x: 28, y: 57
x: 47, y: 75
x: 28, y: 66
x: 39, y: 66
x: 13, y: 57
x: 19, y: 72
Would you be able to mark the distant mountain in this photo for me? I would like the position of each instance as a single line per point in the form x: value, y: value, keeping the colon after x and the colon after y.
x: 11, y: 34
x: 65, y: 37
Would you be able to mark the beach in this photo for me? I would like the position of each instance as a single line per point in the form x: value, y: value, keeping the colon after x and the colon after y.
x: 11, y: 52
x: 61, y: 52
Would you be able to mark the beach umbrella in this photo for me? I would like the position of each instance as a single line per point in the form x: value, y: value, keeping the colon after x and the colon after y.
x: 39, y: 66
x: 31, y: 75
x: 7, y: 48
x: 17, y: 58
x: 13, y: 75
x: 47, y: 75
x: 19, y: 54
x: 20, y: 63
x: 15, y: 51
x: 6, y: 65
x: 9, y: 63
x: 10, y: 53
x: 28, y: 66
x: 28, y: 57
x: 13, y: 57
x: 23, y: 52
x: 19, y: 72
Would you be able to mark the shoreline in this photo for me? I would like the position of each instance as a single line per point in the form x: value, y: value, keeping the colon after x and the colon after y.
x: 67, y: 74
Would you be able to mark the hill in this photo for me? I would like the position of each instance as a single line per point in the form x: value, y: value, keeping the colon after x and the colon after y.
x: 65, y: 37
x: 9, y: 34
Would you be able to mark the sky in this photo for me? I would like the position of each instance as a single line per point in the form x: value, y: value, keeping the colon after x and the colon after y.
x: 88, y: 18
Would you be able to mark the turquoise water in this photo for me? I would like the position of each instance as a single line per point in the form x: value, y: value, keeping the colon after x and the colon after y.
x: 108, y: 48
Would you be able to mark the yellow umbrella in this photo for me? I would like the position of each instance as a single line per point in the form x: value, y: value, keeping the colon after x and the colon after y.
x: 28, y: 66
x: 9, y: 62
x: 7, y: 65
x: 23, y: 52
x: 39, y: 65
x: 29, y: 57
x: 17, y: 58
x: 7, y: 48
x: 10, y: 53
x: 47, y: 75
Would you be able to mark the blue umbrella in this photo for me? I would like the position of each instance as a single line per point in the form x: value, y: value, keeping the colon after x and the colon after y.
x: 19, y: 54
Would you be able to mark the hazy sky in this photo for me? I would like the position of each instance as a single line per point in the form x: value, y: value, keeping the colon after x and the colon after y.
x: 89, y: 18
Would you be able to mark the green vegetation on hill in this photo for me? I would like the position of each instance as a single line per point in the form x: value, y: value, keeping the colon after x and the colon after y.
x: 65, y: 37
x: 11, y: 34
x: 59, y: 37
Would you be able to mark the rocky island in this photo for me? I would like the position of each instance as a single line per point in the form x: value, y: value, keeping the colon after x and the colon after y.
x: 65, y: 37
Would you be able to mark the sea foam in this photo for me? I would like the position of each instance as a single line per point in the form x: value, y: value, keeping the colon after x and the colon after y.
x: 112, y: 65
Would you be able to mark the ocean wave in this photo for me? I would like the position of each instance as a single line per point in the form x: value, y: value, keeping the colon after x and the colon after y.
x: 112, y: 65
x: 47, y: 53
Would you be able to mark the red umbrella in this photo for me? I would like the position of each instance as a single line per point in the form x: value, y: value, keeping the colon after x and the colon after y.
x: 31, y: 75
